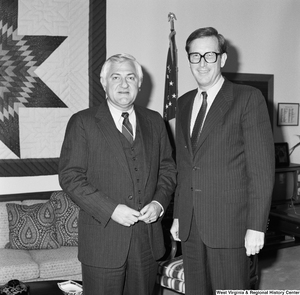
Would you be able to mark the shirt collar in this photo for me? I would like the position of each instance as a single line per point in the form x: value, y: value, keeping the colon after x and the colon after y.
x: 116, y: 113
x: 213, y: 91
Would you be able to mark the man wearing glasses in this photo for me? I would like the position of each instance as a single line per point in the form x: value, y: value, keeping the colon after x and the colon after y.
x: 225, y: 162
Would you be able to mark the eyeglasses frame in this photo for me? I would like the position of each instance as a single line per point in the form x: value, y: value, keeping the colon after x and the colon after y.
x: 203, y: 55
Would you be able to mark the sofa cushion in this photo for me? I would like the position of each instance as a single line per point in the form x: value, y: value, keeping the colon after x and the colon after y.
x: 58, y: 262
x: 4, y: 231
x: 17, y: 264
x: 32, y: 227
x: 66, y: 212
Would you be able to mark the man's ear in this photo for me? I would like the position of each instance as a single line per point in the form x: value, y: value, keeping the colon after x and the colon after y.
x: 103, y: 82
x: 223, y: 59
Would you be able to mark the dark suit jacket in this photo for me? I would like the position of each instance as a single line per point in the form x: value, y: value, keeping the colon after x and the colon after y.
x: 228, y: 182
x: 93, y: 170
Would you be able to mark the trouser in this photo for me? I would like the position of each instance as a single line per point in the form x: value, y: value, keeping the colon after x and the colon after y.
x: 136, y: 276
x: 208, y: 269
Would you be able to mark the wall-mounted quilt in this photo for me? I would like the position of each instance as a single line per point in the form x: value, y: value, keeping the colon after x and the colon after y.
x: 51, y: 54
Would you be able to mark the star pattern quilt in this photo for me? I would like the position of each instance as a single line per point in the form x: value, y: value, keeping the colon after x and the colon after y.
x: 50, y: 55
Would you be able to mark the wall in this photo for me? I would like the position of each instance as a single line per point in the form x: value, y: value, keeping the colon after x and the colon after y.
x: 263, y: 36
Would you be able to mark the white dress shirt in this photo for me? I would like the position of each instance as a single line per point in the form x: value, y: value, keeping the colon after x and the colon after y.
x: 211, y: 95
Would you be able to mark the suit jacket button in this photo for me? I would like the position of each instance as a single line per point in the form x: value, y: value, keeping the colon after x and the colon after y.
x: 130, y: 197
x: 192, y: 188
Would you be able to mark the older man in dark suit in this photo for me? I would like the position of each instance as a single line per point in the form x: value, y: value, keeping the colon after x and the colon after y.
x: 225, y: 163
x: 116, y: 164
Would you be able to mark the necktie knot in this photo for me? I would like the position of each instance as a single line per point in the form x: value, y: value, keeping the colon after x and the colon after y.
x: 204, y: 95
x: 125, y: 115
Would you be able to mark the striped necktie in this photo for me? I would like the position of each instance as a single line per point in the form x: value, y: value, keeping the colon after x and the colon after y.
x: 127, y: 127
x: 199, y: 122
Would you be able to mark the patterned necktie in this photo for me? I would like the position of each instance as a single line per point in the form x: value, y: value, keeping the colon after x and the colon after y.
x: 127, y: 127
x: 199, y: 122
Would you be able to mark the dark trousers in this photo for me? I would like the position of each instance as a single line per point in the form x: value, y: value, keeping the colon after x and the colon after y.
x: 136, y: 276
x: 207, y: 269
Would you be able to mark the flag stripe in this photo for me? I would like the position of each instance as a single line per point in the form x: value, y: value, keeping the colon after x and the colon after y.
x: 171, y: 90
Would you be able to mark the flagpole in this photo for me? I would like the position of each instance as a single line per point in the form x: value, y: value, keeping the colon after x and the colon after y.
x: 171, y: 17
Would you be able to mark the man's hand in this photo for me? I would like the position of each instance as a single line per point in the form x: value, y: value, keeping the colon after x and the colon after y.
x: 150, y: 213
x: 175, y: 229
x: 125, y: 215
x: 254, y: 241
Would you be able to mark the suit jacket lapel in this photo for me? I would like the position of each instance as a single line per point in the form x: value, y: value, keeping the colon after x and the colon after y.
x: 111, y: 134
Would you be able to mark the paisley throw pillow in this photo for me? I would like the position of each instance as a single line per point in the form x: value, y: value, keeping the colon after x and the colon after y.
x: 32, y: 227
x: 66, y: 212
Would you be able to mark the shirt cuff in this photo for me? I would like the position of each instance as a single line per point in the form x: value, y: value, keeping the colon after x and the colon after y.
x: 162, y: 208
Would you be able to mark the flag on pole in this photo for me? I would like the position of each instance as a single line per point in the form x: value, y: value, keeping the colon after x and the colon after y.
x: 171, y: 90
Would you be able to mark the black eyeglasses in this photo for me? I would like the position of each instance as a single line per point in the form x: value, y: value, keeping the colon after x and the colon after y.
x: 209, y: 57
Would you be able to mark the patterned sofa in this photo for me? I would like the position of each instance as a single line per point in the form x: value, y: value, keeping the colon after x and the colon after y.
x: 38, y: 237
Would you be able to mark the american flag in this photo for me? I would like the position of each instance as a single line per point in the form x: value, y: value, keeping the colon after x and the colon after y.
x: 171, y: 90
